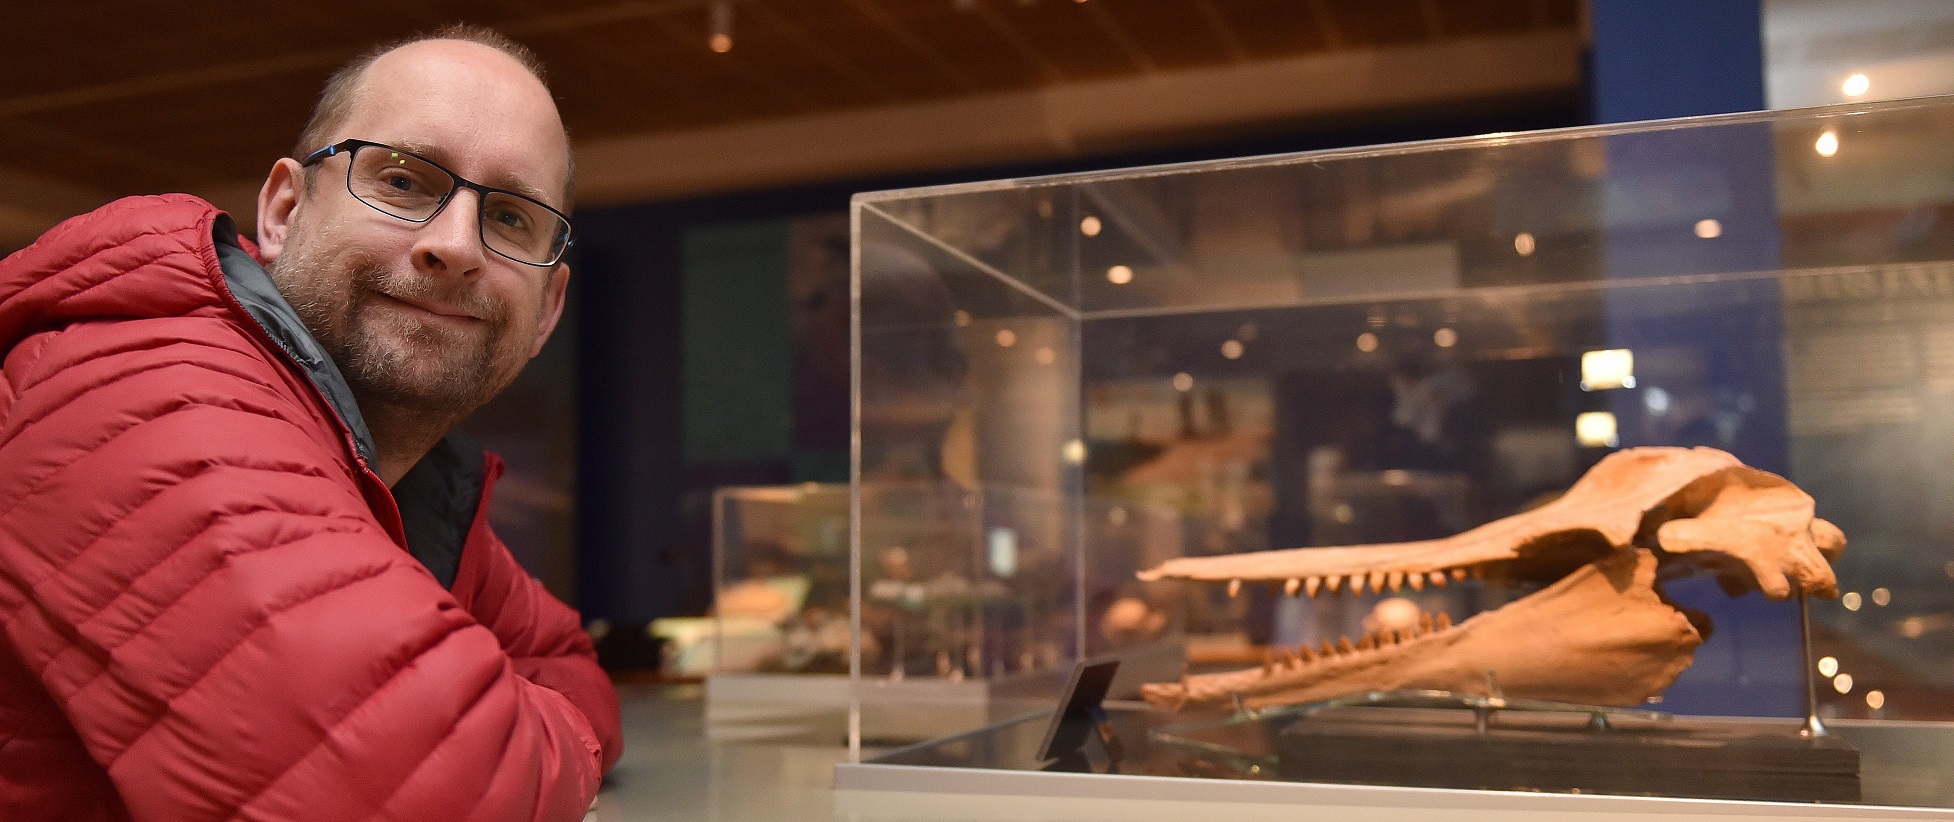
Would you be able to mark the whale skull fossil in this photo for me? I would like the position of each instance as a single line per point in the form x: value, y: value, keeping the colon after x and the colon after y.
x: 1598, y: 632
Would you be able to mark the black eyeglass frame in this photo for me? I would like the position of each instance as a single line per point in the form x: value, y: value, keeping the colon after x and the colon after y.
x: 349, y: 146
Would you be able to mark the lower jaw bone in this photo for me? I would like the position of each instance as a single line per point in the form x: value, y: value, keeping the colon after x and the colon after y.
x: 1601, y: 636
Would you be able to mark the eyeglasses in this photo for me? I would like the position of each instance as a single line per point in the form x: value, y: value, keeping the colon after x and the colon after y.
x: 413, y: 188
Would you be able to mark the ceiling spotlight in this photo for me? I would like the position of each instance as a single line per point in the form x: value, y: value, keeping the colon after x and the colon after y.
x: 1089, y: 225
x: 1855, y: 85
x: 1119, y: 275
x: 1523, y: 244
x: 1709, y: 229
x: 721, y: 39
x: 1232, y: 349
x: 1367, y: 342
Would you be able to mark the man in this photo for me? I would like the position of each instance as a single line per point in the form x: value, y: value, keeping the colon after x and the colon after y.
x: 245, y: 570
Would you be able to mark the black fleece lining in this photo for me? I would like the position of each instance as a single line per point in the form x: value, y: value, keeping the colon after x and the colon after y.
x: 437, y: 502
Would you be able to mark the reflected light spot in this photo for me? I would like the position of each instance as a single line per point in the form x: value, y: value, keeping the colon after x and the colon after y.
x: 721, y: 43
x: 1881, y: 597
x: 1656, y: 400
x: 1828, y: 144
x: 1116, y: 516
x: 963, y: 318
x: 1709, y: 229
x: 1046, y: 356
x: 1445, y: 338
x: 1856, y: 85
x: 1183, y: 381
x: 1607, y: 368
x: 1523, y: 244
x: 1232, y: 349
x: 1343, y: 513
x: 1367, y: 342
x: 1006, y: 338
x: 1247, y: 332
x: 1596, y: 429
x: 1075, y: 452
x: 1850, y: 600
x: 1842, y: 683
x: 1875, y: 699
x: 1119, y: 275
x: 1089, y: 226
x: 1912, y: 627
x: 1828, y: 666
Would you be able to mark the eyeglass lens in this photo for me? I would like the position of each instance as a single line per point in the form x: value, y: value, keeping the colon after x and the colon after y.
x: 413, y: 189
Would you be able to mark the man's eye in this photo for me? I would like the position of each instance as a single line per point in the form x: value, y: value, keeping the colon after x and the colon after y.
x: 399, y: 181
x: 510, y: 218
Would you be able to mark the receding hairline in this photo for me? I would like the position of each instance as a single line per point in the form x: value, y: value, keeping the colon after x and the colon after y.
x: 347, y: 86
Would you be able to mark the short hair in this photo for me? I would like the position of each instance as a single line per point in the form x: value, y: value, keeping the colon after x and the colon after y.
x: 335, y: 104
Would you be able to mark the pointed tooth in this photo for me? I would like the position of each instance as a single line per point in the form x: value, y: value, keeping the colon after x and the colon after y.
x: 1304, y: 654
x: 1234, y: 588
x: 1406, y: 633
x: 1478, y: 572
x: 1332, y: 582
x: 1459, y: 574
x: 1344, y: 646
x: 1292, y: 586
x: 1444, y: 620
x: 1438, y: 579
x: 1377, y: 582
x: 1396, y: 581
x: 1417, y: 581
x: 1327, y: 650
x: 1311, y: 585
x: 1424, y: 622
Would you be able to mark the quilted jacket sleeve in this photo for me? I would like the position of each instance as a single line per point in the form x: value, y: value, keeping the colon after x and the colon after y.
x: 543, y: 637
x: 188, y: 568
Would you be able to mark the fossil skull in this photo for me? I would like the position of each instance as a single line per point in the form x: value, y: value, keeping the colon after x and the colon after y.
x: 1598, y: 632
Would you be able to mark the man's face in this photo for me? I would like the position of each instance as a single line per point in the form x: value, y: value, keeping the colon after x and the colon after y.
x: 422, y: 318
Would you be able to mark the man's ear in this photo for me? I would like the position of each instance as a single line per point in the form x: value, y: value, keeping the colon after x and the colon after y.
x: 278, y: 206
x: 552, y: 306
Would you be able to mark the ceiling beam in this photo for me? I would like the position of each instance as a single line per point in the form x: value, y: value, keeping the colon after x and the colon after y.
x: 1066, y: 120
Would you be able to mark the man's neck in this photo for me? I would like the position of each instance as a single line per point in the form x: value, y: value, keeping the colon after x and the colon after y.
x: 401, y: 438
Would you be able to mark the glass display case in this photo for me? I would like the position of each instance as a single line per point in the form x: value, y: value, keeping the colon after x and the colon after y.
x: 1064, y: 382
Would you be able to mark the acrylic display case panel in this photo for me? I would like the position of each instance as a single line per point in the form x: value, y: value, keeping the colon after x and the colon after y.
x: 1401, y: 343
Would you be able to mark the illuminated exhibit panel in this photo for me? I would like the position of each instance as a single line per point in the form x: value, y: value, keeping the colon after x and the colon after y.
x: 1165, y: 367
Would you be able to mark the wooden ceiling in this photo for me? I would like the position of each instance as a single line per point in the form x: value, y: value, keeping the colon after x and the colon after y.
x: 107, y: 98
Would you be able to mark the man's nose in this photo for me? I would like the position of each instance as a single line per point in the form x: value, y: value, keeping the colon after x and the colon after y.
x: 450, y: 243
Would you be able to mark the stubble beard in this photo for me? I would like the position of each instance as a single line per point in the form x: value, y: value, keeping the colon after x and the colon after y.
x: 411, y: 375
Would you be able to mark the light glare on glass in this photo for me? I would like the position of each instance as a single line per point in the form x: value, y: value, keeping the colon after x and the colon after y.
x: 1367, y: 342
x: 1875, y: 699
x: 963, y: 318
x: 1006, y: 338
x: 1183, y: 381
x: 1445, y: 338
x: 1828, y: 666
x: 1596, y: 429
x: 1523, y: 244
x: 1709, y: 229
x: 1842, y: 683
x: 1119, y: 275
x: 1075, y: 452
x: 1881, y: 597
x: 1089, y: 226
x: 1850, y: 600
x: 1856, y: 85
x: 1046, y: 356
x: 1232, y: 349
x: 1828, y: 144
x: 1607, y: 368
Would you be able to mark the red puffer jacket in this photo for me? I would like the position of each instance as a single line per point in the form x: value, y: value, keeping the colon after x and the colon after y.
x: 210, y: 607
